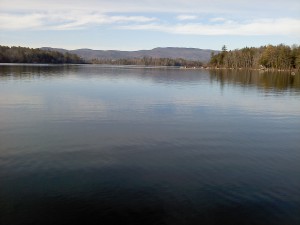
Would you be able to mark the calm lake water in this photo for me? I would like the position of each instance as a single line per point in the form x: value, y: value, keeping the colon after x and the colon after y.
x: 87, y: 144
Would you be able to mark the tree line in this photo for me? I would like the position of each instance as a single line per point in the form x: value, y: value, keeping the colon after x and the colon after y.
x: 149, y: 61
x: 279, y: 57
x: 36, y: 55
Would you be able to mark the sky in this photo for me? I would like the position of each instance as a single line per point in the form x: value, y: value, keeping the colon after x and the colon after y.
x: 146, y: 24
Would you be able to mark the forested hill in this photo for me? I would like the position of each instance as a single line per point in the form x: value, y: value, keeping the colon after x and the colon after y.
x: 31, y: 55
x: 280, y: 57
x: 192, y: 54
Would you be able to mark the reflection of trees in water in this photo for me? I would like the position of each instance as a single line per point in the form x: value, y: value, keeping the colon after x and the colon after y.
x: 155, y: 74
x: 20, y: 71
x: 261, y: 79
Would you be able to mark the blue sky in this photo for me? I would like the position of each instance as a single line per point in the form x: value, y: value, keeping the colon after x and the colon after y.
x: 146, y: 24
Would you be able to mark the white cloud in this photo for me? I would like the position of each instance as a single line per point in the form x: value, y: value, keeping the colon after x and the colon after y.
x: 64, y: 21
x: 74, y: 19
x: 9, y: 21
x: 274, y: 7
x: 138, y: 15
x: 283, y: 26
x: 218, y: 19
x: 85, y: 21
x: 187, y: 17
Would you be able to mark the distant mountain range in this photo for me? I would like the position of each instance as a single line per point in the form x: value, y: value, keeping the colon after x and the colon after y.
x: 196, y: 54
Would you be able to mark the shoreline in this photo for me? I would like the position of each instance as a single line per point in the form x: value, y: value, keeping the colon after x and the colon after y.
x: 253, y: 69
x: 293, y: 70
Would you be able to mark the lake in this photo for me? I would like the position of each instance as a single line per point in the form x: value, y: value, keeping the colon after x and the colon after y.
x: 88, y: 144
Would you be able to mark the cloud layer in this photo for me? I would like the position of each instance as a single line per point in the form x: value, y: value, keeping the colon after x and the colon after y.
x: 187, y: 24
x: 282, y: 26
x: 142, y: 6
x: 180, y: 17
x: 186, y: 17
x: 64, y: 21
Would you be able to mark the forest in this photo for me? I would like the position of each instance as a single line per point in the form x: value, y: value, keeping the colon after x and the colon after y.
x: 149, y: 61
x: 31, y: 55
x: 279, y: 57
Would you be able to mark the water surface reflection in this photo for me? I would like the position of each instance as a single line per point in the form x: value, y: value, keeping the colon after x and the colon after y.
x: 91, y: 144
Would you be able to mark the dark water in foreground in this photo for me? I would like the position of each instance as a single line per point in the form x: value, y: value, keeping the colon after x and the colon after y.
x: 96, y: 145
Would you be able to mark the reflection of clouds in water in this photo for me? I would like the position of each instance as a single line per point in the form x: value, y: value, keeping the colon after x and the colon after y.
x: 17, y: 100
x: 246, y: 103
x: 95, y: 93
x: 79, y: 103
x: 90, y: 108
x: 75, y: 108
x: 82, y: 107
